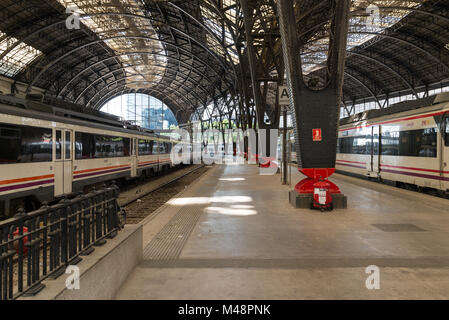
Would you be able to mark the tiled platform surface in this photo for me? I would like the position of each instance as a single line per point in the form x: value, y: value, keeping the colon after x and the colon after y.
x: 234, y: 235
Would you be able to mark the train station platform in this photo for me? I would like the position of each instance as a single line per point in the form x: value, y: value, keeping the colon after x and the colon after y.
x: 234, y: 235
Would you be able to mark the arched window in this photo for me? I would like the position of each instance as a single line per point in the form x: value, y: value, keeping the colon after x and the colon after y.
x: 142, y: 110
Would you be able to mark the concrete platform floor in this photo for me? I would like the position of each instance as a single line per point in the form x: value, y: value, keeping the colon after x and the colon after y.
x: 234, y: 235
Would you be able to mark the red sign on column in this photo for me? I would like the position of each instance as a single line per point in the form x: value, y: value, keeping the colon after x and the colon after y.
x: 317, y: 135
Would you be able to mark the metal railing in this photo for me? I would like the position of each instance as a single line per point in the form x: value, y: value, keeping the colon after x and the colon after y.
x: 42, y: 244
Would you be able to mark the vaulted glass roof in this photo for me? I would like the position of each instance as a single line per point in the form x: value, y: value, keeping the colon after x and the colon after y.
x: 187, y: 53
x: 128, y: 31
x: 220, y: 29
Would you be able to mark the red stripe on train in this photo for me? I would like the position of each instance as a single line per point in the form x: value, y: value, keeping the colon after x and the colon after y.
x: 397, y: 120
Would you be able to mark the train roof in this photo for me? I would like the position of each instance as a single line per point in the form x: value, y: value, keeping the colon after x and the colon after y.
x: 397, y: 108
x: 70, y: 113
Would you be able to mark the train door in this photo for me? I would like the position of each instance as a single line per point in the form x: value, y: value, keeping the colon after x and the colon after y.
x: 63, y: 162
x: 134, y: 161
x: 375, y: 151
x: 445, y: 153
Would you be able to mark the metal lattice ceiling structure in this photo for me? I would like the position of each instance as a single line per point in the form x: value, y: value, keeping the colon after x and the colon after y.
x: 401, y: 48
x: 153, y: 47
x: 405, y: 51
x: 192, y: 54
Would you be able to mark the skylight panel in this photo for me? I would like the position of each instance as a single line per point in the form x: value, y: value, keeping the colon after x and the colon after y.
x: 16, y: 56
x: 130, y: 35
x: 369, y: 19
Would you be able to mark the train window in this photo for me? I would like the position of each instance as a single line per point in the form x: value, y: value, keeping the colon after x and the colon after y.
x: 161, y: 148
x: 102, y: 146
x: 156, y: 147
x: 10, y: 137
x: 126, y: 147
x: 376, y: 145
x: 425, y: 143
x: 23, y: 144
x: 111, y: 147
x: 89, y: 146
x: 151, y: 146
x: 58, y: 145
x: 116, y: 147
x: 355, y: 145
x: 37, y: 145
x: 68, y: 145
x: 362, y: 145
x: 406, y: 144
x: 85, y: 146
x: 169, y: 147
x: 390, y: 143
x: 145, y: 147
x: 342, y: 145
x: 413, y: 143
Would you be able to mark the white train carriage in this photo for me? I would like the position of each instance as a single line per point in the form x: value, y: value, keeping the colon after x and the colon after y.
x: 407, y: 143
x: 45, y: 156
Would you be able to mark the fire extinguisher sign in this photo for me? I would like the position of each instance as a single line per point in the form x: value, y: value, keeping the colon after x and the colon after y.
x: 317, y: 135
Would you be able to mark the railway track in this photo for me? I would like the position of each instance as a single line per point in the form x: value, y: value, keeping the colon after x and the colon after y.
x: 142, y: 202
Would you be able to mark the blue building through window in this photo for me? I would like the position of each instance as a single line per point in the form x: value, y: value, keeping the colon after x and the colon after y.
x: 142, y: 110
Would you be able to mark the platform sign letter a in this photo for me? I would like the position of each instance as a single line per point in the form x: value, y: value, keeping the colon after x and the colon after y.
x: 284, y: 98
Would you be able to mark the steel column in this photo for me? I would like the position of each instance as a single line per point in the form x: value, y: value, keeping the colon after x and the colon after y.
x: 313, y: 109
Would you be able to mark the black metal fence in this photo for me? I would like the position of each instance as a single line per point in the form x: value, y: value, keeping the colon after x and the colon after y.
x: 43, y: 243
